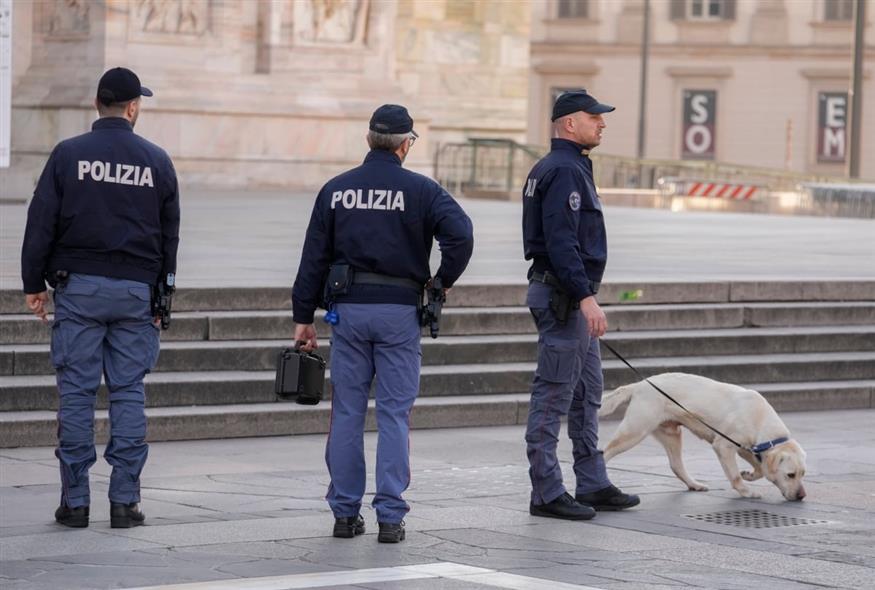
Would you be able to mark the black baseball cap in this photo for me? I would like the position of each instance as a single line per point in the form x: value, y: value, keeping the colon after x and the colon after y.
x: 578, y: 100
x: 391, y: 118
x: 120, y: 85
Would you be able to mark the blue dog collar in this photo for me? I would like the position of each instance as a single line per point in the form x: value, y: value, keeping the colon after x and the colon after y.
x: 761, y: 448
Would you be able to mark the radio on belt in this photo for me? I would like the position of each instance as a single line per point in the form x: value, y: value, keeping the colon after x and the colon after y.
x: 300, y: 376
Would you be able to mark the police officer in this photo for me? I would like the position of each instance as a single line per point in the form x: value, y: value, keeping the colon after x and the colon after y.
x: 564, y: 237
x: 102, y: 228
x: 369, y: 239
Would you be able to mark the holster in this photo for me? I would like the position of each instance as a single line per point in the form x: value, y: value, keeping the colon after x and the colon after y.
x: 58, y: 277
x: 560, y: 303
x: 300, y: 376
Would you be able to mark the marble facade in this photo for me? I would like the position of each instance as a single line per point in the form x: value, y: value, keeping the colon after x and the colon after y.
x: 269, y: 93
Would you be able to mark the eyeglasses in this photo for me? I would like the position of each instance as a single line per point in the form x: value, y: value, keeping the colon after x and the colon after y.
x: 413, y: 137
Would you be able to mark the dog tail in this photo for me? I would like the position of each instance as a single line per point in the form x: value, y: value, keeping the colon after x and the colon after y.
x: 615, y: 399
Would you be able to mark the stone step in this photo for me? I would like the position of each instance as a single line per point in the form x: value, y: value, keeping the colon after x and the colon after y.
x: 279, y: 298
x: 272, y: 325
x: 38, y: 428
x: 247, y: 387
x: 260, y: 355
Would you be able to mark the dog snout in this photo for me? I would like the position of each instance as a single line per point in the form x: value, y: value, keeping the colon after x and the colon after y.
x: 800, y: 494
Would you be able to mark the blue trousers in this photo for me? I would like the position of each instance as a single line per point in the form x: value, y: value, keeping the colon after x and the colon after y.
x: 371, y: 340
x: 102, y: 327
x: 568, y: 381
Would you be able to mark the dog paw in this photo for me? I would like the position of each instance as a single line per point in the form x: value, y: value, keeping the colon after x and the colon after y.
x: 749, y: 476
x: 698, y: 487
x: 746, y: 493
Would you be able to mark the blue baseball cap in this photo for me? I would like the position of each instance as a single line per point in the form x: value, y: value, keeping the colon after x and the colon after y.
x: 391, y: 118
x: 578, y: 100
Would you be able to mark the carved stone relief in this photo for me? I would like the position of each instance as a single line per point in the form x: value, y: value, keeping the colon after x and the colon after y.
x: 66, y: 17
x: 176, y: 17
x: 329, y: 22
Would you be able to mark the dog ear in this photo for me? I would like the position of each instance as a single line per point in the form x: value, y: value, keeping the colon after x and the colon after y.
x: 772, y: 461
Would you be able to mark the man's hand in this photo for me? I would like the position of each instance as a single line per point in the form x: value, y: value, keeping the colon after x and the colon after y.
x: 306, y: 334
x: 596, y: 322
x: 36, y: 302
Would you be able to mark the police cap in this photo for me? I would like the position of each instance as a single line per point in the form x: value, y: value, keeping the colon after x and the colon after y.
x: 578, y: 100
x: 120, y: 85
x: 391, y: 118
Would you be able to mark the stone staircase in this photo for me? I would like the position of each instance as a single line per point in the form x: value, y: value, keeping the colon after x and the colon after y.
x: 805, y: 346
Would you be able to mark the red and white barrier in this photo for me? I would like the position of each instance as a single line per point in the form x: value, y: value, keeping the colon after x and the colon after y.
x: 721, y: 190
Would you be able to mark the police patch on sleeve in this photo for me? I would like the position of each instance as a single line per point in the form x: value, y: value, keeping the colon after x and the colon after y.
x: 574, y: 201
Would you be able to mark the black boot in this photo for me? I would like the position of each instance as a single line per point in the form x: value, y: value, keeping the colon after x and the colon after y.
x: 609, y: 499
x: 76, y: 518
x: 125, y: 516
x: 564, y: 507
x: 348, y: 527
x: 391, y: 532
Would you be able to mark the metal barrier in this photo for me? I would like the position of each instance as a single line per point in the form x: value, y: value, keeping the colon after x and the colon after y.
x: 498, y: 168
x: 845, y: 200
x: 485, y: 165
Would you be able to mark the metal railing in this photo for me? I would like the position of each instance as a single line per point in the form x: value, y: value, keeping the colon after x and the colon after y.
x: 485, y: 165
x: 502, y: 165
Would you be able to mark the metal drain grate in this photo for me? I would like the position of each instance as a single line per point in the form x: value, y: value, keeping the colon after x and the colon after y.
x: 753, y: 519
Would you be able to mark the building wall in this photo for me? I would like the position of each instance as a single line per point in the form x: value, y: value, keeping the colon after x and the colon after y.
x: 278, y: 92
x: 269, y: 93
x: 766, y: 65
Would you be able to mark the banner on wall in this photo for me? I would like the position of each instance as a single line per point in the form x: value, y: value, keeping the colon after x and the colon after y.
x: 5, y: 81
x: 699, y: 131
x: 832, y: 126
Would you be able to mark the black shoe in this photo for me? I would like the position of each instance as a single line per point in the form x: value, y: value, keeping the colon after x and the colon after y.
x: 564, y: 507
x: 125, y: 516
x: 76, y: 518
x: 609, y: 499
x: 391, y: 532
x: 348, y: 527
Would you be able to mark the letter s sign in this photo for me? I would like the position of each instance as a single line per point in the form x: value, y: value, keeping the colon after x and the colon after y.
x: 698, y: 134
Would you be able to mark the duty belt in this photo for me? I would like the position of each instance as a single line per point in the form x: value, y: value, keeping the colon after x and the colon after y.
x: 548, y: 278
x: 372, y: 278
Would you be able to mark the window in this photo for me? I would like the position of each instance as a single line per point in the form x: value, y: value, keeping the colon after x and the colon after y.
x: 838, y: 10
x: 706, y: 9
x: 573, y: 8
x: 703, y: 9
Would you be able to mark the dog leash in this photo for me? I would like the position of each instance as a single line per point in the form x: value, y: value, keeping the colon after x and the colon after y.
x: 677, y: 403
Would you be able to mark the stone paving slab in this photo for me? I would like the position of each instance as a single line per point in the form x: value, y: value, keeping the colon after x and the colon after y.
x: 248, y: 508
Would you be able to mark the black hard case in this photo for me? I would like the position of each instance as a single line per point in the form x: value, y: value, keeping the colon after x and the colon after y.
x: 300, y: 376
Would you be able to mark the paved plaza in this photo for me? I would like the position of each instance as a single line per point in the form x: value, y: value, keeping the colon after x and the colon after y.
x: 254, y: 239
x: 250, y: 512
x: 242, y: 514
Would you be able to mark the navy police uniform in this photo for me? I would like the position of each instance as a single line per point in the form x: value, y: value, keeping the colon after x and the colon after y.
x: 105, y: 211
x: 379, y: 219
x: 564, y: 237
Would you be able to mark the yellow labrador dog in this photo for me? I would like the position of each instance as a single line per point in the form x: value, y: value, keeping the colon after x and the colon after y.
x: 741, y: 414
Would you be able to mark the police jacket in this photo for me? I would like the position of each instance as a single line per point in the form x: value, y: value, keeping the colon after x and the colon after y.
x: 563, y: 225
x: 107, y: 203
x: 380, y: 218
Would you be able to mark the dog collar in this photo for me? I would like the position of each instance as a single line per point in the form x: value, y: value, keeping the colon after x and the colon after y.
x: 761, y: 448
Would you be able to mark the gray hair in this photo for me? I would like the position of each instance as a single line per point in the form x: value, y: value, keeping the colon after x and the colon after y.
x: 387, y: 141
